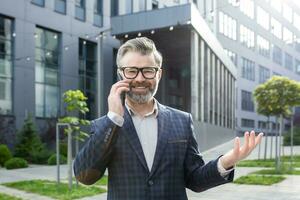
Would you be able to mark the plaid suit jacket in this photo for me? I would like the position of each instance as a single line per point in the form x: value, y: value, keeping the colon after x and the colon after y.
x: 177, y: 163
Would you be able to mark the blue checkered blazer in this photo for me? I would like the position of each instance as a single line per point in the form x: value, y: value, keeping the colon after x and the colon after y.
x: 177, y: 163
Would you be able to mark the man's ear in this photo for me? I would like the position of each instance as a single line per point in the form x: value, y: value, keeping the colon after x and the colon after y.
x: 160, y: 71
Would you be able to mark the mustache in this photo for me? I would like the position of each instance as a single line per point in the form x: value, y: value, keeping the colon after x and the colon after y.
x: 143, y: 84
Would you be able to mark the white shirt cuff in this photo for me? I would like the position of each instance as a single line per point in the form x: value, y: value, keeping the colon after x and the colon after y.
x: 223, y: 172
x: 116, y: 118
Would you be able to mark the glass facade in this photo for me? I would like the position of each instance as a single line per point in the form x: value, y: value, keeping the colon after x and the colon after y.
x: 247, y: 37
x: 287, y: 36
x: 263, y: 46
x: 129, y: 6
x: 297, y: 66
x: 276, y: 4
x: 263, y: 18
x: 47, y: 62
x: 276, y: 28
x: 264, y: 74
x: 114, y: 7
x: 287, y: 12
x: 248, y: 69
x: 80, y: 9
x: 232, y: 56
x: 60, y: 6
x: 6, y: 65
x: 88, y: 74
x: 38, y: 2
x: 246, y: 100
x: 142, y: 5
x: 98, y: 13
x: 247, y: 7
x: 227, y: 26
x: 288, y: 61
x: 277, y: 55
x: 248, y: 123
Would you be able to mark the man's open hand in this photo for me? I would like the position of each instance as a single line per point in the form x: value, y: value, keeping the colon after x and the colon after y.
x: 239, y: 153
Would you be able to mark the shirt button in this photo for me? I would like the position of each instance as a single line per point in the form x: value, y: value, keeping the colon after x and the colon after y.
x: 150, y: 183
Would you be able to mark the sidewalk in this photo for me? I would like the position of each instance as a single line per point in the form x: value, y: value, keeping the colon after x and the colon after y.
x: 288, y: 189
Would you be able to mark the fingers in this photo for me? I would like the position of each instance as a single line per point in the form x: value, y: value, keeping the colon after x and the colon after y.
x: 258, y: 138
x: 251, y: 140
x: 120, y: 87
x: 236, y: 149
x: 245, y: 147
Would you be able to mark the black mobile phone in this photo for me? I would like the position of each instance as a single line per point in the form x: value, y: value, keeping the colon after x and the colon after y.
x: 122, y: 95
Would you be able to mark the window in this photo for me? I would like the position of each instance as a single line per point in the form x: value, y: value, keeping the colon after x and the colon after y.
x: 47, y: 57
x: 297, y: 43
x: 80, y: 9
x: 276, y: 4
x: 262, y: 125
x: 247, y: 37
x: 88, y: 74
x: 287, y: 36
x: 227, y: 25
x: 6, y: 65
x: 287, y: 12
x: 154, y: 4
x: 247, y: 7
x: 297, y: 66
x: 247, y: 102
x: 277, y: 55
x: 60, y: 6
x: 98, y: 13
x: 129, y: 7
x: 263, y: 46
x: 288, y: 61
x: 232, y: 56
x: 296, y: 21
x: 264, y: 74
x: 38, y: 2
x: 263, y: 18
x: 248, y: 123
x: 276, y: 28
x: 114, y: 7
x: 142, y: 5
x: 248, y: 69
x: 234, y: 3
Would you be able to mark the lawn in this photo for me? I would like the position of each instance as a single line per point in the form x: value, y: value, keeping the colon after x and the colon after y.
x: 51, y: 189
x: 8, y: 197
x: 259, y: 180
x: 270, y: 162
x: 274, y: 172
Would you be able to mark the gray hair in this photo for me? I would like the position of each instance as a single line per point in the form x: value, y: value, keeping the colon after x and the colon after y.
x: 142, y: 45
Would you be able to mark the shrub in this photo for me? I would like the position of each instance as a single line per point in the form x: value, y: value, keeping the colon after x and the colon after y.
x: 28, y: 141
x: 15, y: 163
x: 63, y: 149
x: 4, y: 154
x: 296, y: 138
x: 52, y: 159
x: 40, y: 157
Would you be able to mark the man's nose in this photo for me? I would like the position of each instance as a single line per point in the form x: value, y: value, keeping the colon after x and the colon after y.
x: 140, y: 77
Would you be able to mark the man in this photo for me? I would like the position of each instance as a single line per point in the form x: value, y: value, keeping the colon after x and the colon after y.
x: 149, y: 149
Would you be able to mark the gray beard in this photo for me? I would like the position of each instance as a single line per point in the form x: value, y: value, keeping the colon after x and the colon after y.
x: 140, y: 98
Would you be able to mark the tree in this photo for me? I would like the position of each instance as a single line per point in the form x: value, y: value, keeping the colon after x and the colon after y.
x: 28, y: 141
x: 274, y: 98
x: 76, y: 108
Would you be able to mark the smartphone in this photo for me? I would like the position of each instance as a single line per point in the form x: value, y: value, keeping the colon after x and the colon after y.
x: 122, y: 96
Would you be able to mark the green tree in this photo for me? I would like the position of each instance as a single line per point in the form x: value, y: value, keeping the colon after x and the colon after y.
x: 28, y: 141
x: 275, y: 97
x: 76, y: 108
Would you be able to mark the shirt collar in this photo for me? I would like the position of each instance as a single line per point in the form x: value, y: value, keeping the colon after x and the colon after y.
x: 154, y: 111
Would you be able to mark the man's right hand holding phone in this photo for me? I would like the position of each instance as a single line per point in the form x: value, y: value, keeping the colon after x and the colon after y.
x: 114, y: 97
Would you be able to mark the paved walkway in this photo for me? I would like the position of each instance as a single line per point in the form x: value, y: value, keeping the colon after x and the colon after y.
x: 287, y: 189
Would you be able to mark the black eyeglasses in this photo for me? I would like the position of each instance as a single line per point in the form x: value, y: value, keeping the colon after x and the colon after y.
x: 132, y: 72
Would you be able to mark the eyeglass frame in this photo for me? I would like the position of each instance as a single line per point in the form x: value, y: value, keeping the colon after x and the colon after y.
x: 140, y: 70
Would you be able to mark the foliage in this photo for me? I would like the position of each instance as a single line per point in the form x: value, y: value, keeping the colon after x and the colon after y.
x: 51, y: 189
x: 8, y: 197
x: 259, y: 180
x: 40, y: 157
x: 15, y: 163
x: 296, y: 137
x: 75, y: 104
x: 276, y: 96
x: 63, y: 149
x: 52, y: 159
x: 28, y: 141
x: 5, y: 154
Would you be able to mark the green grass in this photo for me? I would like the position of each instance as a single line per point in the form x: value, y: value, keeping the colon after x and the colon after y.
x: 102, y: 182
x: 51, y: 189
x: 270, y: 162
x: 274, y: 172
x: 8, y: 197
x: 259, y: 180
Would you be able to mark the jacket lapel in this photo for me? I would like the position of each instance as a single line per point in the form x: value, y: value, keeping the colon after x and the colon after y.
x: 133, y: 139
x: 162, y: 140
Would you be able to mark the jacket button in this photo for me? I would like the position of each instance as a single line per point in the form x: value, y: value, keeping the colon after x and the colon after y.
x: 150, y: 183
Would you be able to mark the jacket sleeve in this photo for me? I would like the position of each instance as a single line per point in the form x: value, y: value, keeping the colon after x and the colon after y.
x: 198, y: 175
x: 90, y: 163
